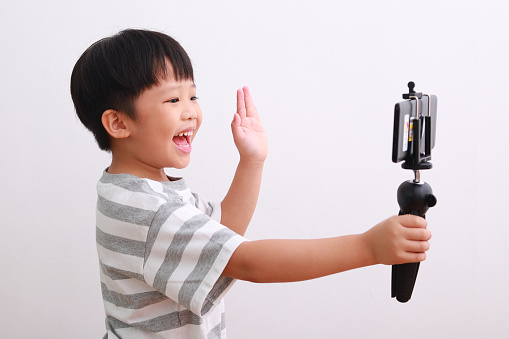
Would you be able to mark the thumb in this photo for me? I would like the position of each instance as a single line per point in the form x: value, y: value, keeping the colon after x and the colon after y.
x: 236, y: 126
x: 236, y: 120
x: 413, y: 221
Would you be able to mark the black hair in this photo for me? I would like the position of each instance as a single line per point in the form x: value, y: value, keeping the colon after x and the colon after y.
x: 114, y: 71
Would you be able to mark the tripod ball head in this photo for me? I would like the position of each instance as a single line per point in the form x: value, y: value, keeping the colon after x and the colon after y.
x: 415, y: 198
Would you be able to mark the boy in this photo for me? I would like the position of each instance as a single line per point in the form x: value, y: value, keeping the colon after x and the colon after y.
x: 167, y: 257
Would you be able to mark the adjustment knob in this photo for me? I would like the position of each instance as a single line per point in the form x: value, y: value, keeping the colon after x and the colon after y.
x: 411, y: 86
x: 431, y: 200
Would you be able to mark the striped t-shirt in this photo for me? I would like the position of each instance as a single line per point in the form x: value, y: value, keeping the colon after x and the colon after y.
x: 161, y: 252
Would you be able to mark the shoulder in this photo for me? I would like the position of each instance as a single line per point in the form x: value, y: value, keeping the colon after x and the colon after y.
x: 146, y: 194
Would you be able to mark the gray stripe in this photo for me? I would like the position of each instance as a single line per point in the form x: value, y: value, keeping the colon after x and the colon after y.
x: 207, y: 305
x: 170, y: 321
x: 120, y: 245
x: 162, y: 214
x: 113, y: 323
x: 169, y: 187
x: 207, y: 258
x: 124, y: 213
x: 118, y: 274
x: 131, y: 301
x: 219, y: 287
x: 162, y: 323
x: 130, y: 183
x: 209, y: 208
x: 176, y: 249
x: 215, y: 333
x: 135, y: 184
x: 196, y: 200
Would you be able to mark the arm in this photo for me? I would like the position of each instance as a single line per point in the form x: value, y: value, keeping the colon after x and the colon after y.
x: 394, y: 241
x: 239, y: 204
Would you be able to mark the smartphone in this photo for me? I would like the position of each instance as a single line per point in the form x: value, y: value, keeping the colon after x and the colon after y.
x: 404, y: 114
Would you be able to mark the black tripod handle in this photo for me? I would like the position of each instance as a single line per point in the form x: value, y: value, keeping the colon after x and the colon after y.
x: 403, y: 279
x: 413, y: 198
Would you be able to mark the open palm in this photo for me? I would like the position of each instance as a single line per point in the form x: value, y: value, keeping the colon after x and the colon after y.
x: 248, y: 133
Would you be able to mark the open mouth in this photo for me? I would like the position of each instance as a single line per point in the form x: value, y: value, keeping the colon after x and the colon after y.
x: 183, y: 141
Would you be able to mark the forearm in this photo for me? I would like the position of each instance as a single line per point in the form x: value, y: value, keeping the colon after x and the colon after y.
x: 298, y: 260
x: 238, y: 206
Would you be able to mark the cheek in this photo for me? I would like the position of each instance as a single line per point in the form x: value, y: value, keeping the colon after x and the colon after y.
x: 198, y: 123
x: 157, y: 135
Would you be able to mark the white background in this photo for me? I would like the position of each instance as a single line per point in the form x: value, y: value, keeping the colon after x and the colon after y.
x: 325, y: 76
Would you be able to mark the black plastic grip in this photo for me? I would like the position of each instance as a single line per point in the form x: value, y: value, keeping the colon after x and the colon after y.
x: 403, y: 281
x: 404, y: 277
x: 413, y: 198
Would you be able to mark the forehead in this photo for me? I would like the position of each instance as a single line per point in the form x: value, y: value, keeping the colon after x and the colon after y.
x: 172, y: 85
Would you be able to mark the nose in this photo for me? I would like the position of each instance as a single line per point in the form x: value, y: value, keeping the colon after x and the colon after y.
x: 190, y: 112
x: 189, y: 115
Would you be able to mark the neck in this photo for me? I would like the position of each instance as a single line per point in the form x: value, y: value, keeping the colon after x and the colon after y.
x: 131, y: 166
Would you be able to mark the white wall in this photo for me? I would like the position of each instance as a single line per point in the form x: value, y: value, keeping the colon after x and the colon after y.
x: 325, y: 76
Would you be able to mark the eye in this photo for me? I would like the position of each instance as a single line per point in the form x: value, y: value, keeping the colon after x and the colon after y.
x: 194, y: 98
x: 173, y: 101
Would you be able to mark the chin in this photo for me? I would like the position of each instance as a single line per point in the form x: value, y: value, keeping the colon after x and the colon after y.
x: 181, y: 165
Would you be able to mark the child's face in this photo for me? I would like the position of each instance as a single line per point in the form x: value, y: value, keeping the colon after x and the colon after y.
x: 167, y: 118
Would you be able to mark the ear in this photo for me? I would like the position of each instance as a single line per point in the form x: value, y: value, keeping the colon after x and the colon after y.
x: 114, y: 123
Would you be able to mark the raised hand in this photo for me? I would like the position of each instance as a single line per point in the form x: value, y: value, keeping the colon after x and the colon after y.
x: 248, y: 133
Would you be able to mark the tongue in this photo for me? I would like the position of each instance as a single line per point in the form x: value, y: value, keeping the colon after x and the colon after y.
x: 180, y: 141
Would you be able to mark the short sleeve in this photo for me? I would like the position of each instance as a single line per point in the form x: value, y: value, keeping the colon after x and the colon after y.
x: 186, y: 253
x: 212, y: 209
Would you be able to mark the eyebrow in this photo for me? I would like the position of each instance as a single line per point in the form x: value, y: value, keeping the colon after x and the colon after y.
x: 172, y: 87
x: 166, y: 90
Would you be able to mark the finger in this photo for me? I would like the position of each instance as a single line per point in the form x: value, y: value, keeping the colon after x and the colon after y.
x: 250, y: 107
x: 241, y: 105
x: 414, y: 257
x: 413, y: 221
x: 236, y: 120
x: 237, y: 131
x: 418, y: 234
x: 417, y: 246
